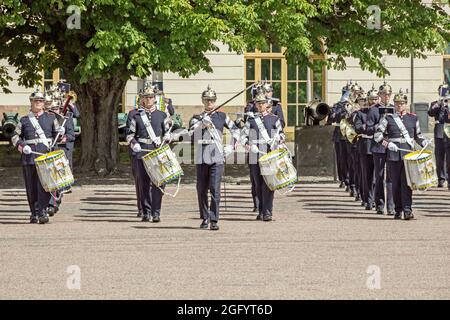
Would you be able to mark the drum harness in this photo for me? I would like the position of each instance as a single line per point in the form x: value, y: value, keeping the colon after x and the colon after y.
x: 157, y: 141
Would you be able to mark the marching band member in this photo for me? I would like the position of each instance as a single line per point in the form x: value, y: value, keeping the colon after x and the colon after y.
x: 251, y: 108
x: 445, y: 117
x: 379, y: 152
x: 208, y: 132
x: 437, y: 110
x: 262, y: 133
x: 66, y: 144
x: 366, y: 159
x: 399, y: 130
x: 352, y: 148
x: 337, y: 113
x: 34, y: 133
x: 133, y: 156
x: 147, y: 129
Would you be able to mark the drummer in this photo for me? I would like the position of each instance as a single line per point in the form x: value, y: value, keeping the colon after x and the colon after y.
x: 262, y: 133
x: 398, y: 131
x: 210, y: 154
x: 34, y: 133
x: 65, y: 143
x: 147, y: 129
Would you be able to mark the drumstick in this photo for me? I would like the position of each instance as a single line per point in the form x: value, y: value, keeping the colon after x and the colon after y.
x: 426, y: 145
x: 38, y: 153
x: 57, y: 136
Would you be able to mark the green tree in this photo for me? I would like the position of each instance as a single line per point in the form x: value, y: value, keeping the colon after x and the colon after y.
x: 122, y: 38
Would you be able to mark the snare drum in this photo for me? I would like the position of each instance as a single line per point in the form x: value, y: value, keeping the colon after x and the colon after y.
x: 54, y: 171
x: 420, y: 170
x: 277, y: 169
x: 162, y: 165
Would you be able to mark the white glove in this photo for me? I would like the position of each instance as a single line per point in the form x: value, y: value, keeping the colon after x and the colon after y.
x: 26, y: 150
x: 392, y: 146
x: 61, y: 130
x: 426, y: 142
x: 136, y: 148
x: 254, y: 148
x: 206, y: 119
x: 227, y: 150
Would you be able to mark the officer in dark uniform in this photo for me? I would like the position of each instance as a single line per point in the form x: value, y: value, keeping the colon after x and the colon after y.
x: 399, y: 130
x: 148, y: 128
x: 207, y: 129
x: 274, y: 103
x: 352, y: 148
x: 34, y: 133
x: 251, y: 108
x: 365, y: 154
x: 436, y: 110
x: 133, y: 157
x: 361, y: 101
x: 379, y: 152
x: 337, y: 114
x: 445, y: 117
x: 262, y: 133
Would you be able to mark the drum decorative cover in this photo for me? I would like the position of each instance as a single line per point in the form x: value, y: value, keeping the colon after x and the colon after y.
x: 54, y: 171
x: 162, y: 166
x: 420, y: 170
x: 277, y: 169
x: 350, y: 134
x: 343, y: 126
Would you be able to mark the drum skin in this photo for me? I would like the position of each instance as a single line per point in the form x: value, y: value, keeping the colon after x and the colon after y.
x: 277, y: 169
x: 162, y: 166
x: 420, y: 172
x: 54, y: 171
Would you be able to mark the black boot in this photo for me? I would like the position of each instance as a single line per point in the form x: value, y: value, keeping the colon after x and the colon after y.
x: 259, y: 217
x: 43, y: 217
x: 145, y: 218
x: 214, y: 226
x: 204, y: 224
x: 267, y: 218
x: 397, y: 215
x: 156, y: 219
x: 51, y: 210
x: 342, y: 184
x: 34, y: 219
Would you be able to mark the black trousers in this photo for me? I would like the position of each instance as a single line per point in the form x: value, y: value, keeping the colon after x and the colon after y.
x: 344, y: 160
x: 350, y: 164
x: 440, y: 155
x: 367, y: 184
x: 209, y: 177
x: 38, y: 199
x: 134, y: 161
x: 254, y: 194
x: 367, y: 178
x: 355, y: 168
x: 265, y: 195
x: 150, y: 196
x: 447, y: 159
x: 401, y: 191
x: 379, y: 161
x: 337, y: 151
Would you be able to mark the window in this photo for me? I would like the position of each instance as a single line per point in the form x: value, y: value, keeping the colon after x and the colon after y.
x: 294, y: 85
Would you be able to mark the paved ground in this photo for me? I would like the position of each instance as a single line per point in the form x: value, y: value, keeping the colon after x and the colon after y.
x: 322, y: 244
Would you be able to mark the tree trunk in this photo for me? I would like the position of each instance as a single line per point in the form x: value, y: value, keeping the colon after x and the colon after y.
x: 98, y: 101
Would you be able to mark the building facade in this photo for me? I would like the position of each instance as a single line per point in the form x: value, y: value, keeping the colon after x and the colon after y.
x: 295, y: 85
